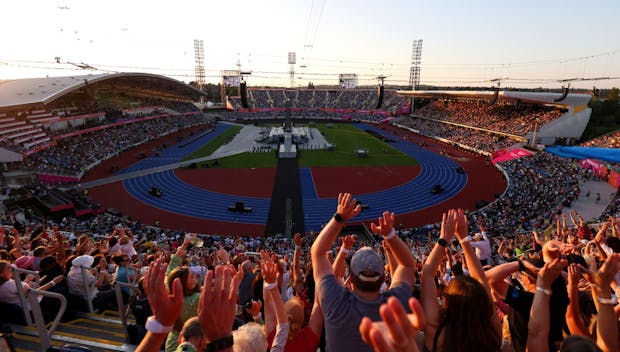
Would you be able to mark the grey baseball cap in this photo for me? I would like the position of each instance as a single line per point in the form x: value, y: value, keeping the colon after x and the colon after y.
x: 367, y: 264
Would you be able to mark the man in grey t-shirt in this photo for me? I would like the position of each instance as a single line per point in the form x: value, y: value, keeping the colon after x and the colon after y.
x: 343, y: 309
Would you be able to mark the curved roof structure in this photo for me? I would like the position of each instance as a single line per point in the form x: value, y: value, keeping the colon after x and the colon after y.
x: 572, y: 99
x: 32, y: 91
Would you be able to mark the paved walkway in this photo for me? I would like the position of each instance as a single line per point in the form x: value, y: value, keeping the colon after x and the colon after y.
x: 587, y: 207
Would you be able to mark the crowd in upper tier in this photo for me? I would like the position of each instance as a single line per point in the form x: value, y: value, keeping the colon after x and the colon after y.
x: 72, y: 156
x: 481, y: 140
x: 497, y: 117
x: 609, y: 140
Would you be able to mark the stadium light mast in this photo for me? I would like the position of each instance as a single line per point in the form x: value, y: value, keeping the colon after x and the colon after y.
x: 292, y: 60
x: 199, y: 60
x: 414, y: 71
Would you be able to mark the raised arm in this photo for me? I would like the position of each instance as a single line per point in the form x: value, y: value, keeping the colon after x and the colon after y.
x: 473, y: 263
x: 538, y: 326
x: 575, y: 323
x: 272, y: 297
x: 391, y: 260
x: 428, y: 294
x: 297, y: 271
x: 607, y: 325
x: 497, y: 275
x: 572, y: 218
x: 347, y: 208
x: 405, y: 272
x: 338, y: 265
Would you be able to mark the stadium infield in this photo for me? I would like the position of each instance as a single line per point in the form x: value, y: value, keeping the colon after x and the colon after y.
x: 484, y: 183
x: 346, y: 138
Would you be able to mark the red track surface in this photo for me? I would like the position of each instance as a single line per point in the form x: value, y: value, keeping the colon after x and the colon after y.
x: 329, y: 181
x: 115, y: 196
x: 256, y: 182
x: 483, y: 183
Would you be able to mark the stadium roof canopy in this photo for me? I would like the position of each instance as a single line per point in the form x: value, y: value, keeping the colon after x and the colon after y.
x: 572, y: 99
x: 43, y: 91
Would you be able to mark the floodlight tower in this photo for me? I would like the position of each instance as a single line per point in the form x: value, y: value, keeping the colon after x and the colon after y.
x: 199, y: 60
x: 416, y: 59
x: 414, y: 72
x: 292, y: 60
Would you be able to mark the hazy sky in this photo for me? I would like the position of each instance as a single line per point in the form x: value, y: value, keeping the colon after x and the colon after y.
x: 531, y: 43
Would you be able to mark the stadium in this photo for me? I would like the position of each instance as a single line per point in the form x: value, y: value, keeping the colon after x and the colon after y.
x: 492, y: 201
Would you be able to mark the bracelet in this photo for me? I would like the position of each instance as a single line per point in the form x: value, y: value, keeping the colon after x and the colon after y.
x: 389, y: 235
x: 544, y: 290
x: 156, y: 327
x: 52, y: 283
x: 258, y: 316
x: 220, y: 344
x: 613, y: 300
x: 270, y: 286
x: 297, y: 247
x: 465, y: 240
x: 344, y: 250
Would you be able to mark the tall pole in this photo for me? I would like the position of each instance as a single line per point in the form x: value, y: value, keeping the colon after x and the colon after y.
x: 414, y: 72
x: 199, y: 59
x: 292, y: 60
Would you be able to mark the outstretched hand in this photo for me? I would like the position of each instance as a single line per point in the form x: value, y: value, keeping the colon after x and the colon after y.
x: 550, y: 272
x: 269, y: 270
x: 218, y: 303
x: 602, y: 278
x: 298, y: 240
x: 386, y: 224
x: 397, y: 330
x: 347, y: 206
x: 165, y: 307
x: 348, y: 241
x: 461, y: 226
x: 447, y: 225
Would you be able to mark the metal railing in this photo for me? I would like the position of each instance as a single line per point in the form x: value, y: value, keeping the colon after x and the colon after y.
x: 30, y: 304
x: 122, y: 310
x: 23, y: 300
x: 45, y: 334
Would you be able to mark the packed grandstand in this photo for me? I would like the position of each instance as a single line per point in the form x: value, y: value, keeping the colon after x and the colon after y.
x: 97, y: 168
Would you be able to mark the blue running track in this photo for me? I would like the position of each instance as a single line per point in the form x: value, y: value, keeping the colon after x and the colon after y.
x: 184, y: 199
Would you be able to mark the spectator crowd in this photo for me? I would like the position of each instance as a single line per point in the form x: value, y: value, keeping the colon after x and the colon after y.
x: 609, y: 140
x: 72, y: 156
x: 512, y: 277
x: 497, y: 117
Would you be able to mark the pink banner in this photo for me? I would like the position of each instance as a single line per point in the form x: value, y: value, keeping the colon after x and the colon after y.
x: 590, y: 164
x: 511, y: 154
x: 56, y: 179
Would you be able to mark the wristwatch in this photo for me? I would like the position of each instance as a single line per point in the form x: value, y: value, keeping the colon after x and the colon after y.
x: 339, y: 219
x: 442, y: 242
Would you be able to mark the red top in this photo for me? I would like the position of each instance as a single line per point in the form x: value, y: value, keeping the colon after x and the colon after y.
x: 306, y: 340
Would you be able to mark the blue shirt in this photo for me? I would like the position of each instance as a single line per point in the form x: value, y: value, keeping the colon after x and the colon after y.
x: 343, y: 311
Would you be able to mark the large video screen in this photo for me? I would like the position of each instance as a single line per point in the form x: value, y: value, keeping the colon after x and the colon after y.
x: 231, y: 81
x: 347, y: 80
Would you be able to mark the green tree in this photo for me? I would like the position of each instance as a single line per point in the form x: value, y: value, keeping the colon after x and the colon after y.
x: 613, y: 94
